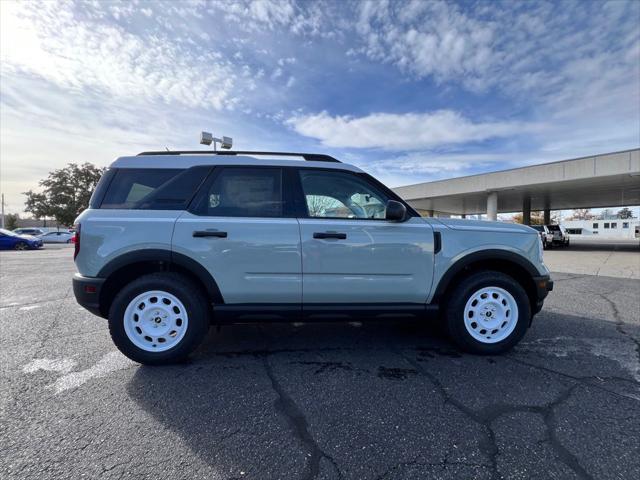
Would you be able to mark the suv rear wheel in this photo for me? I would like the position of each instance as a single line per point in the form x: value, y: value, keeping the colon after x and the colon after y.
x: 487, y: 313
x: 158, y: 318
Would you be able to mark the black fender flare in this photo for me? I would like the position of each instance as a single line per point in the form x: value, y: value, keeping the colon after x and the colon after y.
x: 171, y: 259
x: 481, y: 256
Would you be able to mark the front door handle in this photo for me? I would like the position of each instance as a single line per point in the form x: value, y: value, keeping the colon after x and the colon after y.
x: 339, y: 236
x: 209, y: 233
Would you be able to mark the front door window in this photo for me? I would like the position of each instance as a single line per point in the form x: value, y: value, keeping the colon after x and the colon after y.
x: 341, y: 195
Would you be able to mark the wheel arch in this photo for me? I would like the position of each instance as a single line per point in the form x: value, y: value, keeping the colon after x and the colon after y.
x: 509, y: 263
x: 129, y: 266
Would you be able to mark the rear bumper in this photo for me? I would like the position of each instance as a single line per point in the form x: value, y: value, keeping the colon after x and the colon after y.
x: 544, y: 285
x: 87, y: 292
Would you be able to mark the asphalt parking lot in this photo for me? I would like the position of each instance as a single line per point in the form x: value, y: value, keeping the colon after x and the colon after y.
x: 373, y: 401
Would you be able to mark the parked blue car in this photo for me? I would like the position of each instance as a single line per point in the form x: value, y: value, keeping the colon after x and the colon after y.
x: 13, y: 241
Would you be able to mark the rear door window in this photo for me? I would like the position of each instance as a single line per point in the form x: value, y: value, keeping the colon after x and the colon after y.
x: 243, y: 192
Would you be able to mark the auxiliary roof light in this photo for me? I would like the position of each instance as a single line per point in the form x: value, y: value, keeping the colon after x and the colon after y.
x: 207, y: 138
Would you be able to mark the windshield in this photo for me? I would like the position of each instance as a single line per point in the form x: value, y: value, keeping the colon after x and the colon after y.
x: 7, y: 232
x: 554, y: 228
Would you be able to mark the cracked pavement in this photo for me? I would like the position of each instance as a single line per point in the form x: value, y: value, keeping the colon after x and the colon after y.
x: 325, y: 401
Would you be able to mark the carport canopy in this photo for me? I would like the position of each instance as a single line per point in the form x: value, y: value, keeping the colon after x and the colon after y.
x: 607, y: 180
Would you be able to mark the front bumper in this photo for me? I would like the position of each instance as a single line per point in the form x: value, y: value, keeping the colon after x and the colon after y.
x: 87, y: 292
x: 544, y: 285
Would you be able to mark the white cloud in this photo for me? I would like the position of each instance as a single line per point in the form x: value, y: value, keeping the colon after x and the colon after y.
x: 408, y: 131
x: 543, y: 51
x: 286, y: 61
x: 426, y: 38
x: 95, y: 57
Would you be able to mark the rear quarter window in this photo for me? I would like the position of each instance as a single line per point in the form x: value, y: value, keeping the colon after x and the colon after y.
x: 152, y: 188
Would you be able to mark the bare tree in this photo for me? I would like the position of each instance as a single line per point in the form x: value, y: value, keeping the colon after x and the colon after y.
x: 581, y: 214
x: 319, y: 204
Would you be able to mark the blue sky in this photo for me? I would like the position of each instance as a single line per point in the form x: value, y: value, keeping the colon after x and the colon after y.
x: 409, y: 91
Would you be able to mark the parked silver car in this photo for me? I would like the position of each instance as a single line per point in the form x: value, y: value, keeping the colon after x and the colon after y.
x: 175, y: 241
x: 56, y: 237
x: 35, y: 232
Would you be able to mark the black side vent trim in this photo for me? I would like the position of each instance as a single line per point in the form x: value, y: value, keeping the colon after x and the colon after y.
x: 437, y: 242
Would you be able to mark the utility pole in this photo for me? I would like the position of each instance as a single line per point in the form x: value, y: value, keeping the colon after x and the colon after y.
x: 2, y: 221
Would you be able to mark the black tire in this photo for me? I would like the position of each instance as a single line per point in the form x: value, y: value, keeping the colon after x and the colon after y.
x: 461, y: 293
x: 181, y: 287
x: 20, y: 246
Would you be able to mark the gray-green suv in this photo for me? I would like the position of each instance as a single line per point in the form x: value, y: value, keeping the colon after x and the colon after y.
x: 175, y: 241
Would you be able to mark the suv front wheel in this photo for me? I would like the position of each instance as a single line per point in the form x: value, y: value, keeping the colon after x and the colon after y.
x: 158, y: 318
x: 487, y: 313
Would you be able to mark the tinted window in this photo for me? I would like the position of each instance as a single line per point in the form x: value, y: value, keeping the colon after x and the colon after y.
x: 153, y: 189
x: 553, y: 228
x: 101, y: 188
x: 243, y: 192
x: 595, y: 225
x: 341, y: 195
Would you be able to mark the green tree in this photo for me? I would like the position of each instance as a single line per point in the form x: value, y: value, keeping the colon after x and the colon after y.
x: 11, y: 221
x: 66, y: 193
x: 625, y: 213
x: 37, y: 205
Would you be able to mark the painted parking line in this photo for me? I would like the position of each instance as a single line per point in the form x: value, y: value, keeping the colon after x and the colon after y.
x: 30, y: 307
x: 108, y: 364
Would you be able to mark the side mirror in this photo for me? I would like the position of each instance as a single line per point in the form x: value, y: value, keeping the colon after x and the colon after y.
x: 395, y: 211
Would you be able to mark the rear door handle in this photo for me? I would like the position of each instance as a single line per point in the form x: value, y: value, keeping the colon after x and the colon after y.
x: 339, y: 236
x: 209, y: 233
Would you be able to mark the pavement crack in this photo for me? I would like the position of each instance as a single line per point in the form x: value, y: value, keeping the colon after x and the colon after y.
x: 551, y: 424
x: 486, y: 416
x: 287, y: 407
x: 620, y: 324
x: 570, y: 277
x: 489, y: 446
x: 583, y: 380
x: 445, y: 463
x: 54, y: 326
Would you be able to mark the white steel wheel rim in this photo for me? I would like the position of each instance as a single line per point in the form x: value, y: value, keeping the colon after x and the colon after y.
x: 155, y: 321
x: 491, y: 314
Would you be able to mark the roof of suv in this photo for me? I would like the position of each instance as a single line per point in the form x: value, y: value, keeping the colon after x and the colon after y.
x: 188, y: 159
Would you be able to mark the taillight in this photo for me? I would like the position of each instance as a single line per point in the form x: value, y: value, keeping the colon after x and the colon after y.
x: 76, y: 241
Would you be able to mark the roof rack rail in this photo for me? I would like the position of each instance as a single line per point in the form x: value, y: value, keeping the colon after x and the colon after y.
x: 309, y: 157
